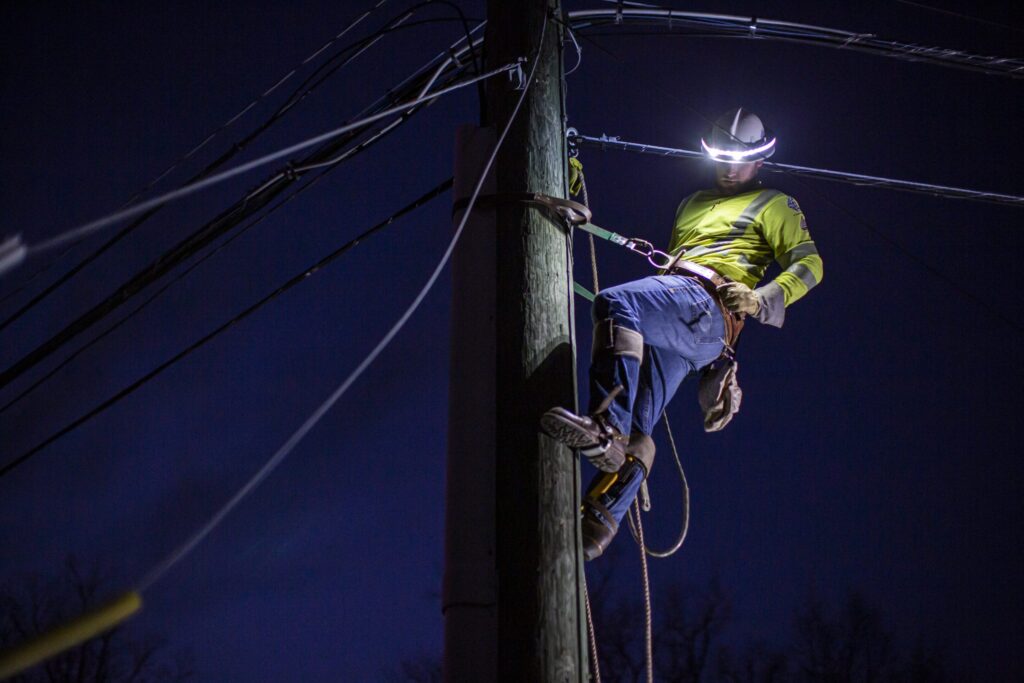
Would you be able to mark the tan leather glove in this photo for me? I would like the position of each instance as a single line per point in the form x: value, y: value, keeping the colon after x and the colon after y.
x: 719, y: 395
x: 739, y: 298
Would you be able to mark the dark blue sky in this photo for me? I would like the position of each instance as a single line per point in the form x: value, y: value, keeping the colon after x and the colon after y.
x: 878, y: 443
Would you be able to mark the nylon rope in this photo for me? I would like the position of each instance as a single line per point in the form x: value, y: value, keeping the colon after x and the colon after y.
x: 592, y: 636
x: 636, y: 530
x: 590, y: 632
x: 648, y: 621
x: 590, y: 236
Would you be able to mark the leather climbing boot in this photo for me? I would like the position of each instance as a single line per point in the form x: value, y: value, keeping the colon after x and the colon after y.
x: 593, y: 435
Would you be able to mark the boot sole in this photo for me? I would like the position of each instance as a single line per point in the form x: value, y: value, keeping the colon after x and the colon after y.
x: 557, y: 424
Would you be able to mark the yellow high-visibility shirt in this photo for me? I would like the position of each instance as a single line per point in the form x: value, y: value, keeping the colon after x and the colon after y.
x: 740, y: 235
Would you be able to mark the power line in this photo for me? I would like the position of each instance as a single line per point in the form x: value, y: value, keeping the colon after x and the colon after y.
x: 182, y: 551
x: 138, y: 309
x: 92, y: 342
x: 726, y: 25
x: 794, y: 171
x: 938, y: 273
x: 174, y: 165
x: 859, y: 179
x: 960, y: 15
x: 202, y: 341
x: 303, y: 90
x: 199, y: 239
x: 186, y: 190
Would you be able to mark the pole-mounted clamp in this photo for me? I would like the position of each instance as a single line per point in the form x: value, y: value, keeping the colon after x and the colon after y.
x: 572, y: 142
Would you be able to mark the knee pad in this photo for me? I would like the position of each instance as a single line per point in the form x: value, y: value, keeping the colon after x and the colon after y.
x: 641, y: 447
x: 611, y: 339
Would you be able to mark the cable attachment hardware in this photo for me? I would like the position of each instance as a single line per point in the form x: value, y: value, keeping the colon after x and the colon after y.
x: 455, y: 58
x: 656, y: 257
x: 12, y: 252
x: 572, y: 141
x: 517, y: 76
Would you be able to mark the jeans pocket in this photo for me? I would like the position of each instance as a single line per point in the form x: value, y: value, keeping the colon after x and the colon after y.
x: 703, y: 325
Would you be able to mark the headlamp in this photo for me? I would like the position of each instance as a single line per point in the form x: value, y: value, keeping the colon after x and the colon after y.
x: 730, y: 156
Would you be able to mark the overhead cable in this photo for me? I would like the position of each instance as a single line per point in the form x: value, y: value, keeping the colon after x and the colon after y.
x: 186, y: 190
x: 223, y: 327
x: 157, y: 572
x: 235, y: 147
x: 183, y: 274
x: 732, y: 26
x: 155, y: 295
x: 960, y: 15
x: 860, y: 179
x: 199, y: 239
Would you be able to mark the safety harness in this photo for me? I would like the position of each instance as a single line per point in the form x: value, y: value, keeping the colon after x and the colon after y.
x: 573, y: 214
x: 578, y: 216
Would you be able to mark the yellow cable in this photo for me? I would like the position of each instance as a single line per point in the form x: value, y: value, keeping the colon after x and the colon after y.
x: 69, y: 634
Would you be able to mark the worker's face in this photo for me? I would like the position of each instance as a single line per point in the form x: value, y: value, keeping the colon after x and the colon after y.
x: 731, y: 178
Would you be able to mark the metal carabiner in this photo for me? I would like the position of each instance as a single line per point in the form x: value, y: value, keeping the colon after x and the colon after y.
x: 639, y: 246
x: 658, y: 254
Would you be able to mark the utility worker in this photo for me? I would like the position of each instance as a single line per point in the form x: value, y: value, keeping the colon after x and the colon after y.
x: 652, y: 333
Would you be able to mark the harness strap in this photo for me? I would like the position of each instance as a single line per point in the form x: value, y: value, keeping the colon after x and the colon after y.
x: 566, y: 209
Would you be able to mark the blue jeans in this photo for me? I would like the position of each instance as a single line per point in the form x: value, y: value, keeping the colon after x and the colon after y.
x: 683, y: 332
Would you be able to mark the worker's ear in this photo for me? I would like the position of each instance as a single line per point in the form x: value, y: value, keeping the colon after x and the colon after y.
x: 760, y: 163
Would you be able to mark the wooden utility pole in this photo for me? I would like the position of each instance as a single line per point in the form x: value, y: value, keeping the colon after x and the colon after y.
x: 512, y: 590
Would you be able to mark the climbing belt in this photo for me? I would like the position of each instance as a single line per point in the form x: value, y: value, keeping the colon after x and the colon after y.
x: 659, y: 259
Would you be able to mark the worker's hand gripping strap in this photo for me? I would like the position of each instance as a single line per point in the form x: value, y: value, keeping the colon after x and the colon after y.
x: 612, y: 339
x: 719, y: 394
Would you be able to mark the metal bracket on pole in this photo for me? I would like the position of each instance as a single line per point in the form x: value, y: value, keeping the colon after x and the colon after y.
x: 517, y: 75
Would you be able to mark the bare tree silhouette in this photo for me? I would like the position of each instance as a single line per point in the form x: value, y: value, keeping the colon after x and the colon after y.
x: 691, y: 624
x: 847, y: 644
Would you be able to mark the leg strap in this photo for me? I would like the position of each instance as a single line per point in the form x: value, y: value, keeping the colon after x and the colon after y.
x: 617, y: 340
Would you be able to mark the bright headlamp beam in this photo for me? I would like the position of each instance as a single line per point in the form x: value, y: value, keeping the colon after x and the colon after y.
x: 733, y: 156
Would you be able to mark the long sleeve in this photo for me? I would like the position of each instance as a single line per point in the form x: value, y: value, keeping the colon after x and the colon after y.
x: 784, y: 228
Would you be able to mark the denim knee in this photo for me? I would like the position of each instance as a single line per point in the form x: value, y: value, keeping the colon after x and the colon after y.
x: 612, y: 304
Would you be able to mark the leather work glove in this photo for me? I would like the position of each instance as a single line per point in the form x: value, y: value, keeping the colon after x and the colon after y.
x: 719, y: 395
x: 739, y: 298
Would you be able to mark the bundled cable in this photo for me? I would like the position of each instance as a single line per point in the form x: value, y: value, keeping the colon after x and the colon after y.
x: 412, y: 93
x: 700, y: 24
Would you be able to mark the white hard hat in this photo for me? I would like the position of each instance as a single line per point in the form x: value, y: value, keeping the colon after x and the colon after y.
x: 738, y: 137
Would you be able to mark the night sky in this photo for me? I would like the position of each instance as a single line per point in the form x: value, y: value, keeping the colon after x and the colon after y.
x: 878, y: 445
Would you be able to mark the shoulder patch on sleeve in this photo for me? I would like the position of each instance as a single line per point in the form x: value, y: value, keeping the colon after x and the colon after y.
x: 791, y: 203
